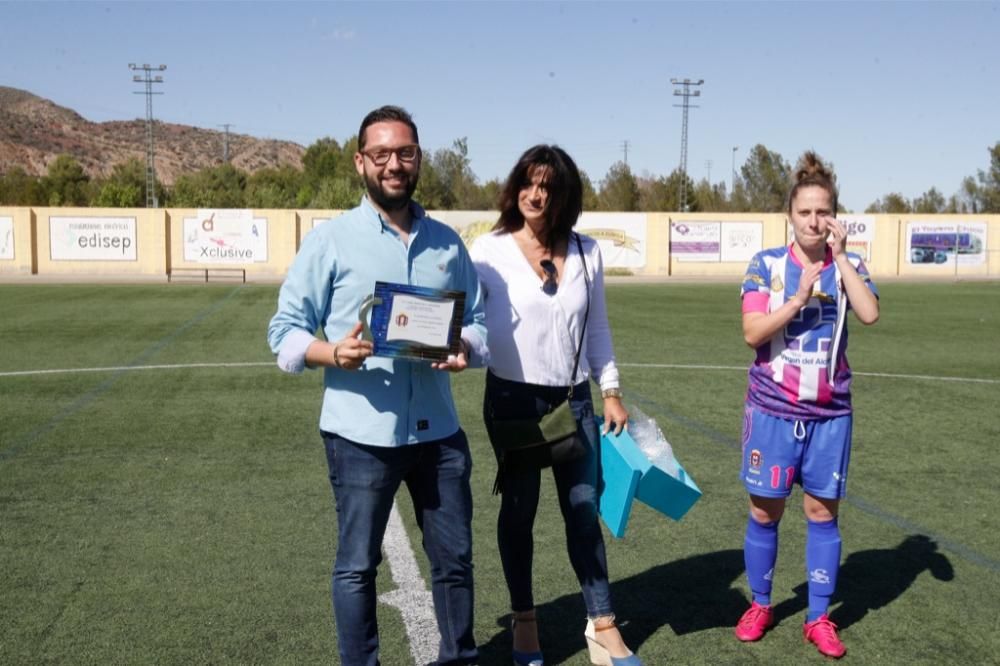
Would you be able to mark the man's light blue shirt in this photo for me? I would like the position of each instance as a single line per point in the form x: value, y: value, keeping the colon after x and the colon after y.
x: 387, y: 402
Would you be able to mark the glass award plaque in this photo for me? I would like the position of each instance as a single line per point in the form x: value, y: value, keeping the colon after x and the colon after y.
x: 415, y: 323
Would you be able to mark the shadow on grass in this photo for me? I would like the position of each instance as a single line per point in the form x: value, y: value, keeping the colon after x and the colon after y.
x: 696, y: 593
x: 688, y: 595
x: 871, y: 579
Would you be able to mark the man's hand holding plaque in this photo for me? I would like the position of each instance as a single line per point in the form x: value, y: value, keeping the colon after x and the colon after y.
x: 350, y: 352
x: 455, y: 362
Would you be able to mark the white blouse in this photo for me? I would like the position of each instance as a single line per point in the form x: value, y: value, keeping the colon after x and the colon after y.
x: 532, y: 336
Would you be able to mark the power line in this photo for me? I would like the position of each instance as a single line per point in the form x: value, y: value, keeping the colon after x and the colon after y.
x: 686, y: 93
x: 149, y: 80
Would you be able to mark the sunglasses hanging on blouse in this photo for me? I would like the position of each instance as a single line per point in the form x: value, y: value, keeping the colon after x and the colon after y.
x: 550, y: 286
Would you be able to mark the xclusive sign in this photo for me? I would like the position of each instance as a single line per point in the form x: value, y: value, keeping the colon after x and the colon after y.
x: 92, y: 238
x: 225, y: 237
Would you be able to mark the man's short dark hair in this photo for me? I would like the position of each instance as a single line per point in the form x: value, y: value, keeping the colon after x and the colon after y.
x: 385, y: 114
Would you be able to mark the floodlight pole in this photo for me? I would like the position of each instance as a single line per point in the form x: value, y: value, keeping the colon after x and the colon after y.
x: 148, y: 79
x: 686, y: 93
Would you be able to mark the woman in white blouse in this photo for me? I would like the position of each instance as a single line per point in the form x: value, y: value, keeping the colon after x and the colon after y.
x: 532, y: 269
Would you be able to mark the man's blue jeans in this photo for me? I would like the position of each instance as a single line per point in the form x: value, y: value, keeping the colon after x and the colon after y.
x: 365, y: 480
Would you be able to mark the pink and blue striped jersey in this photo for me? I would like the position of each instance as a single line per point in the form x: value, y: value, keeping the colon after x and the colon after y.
x: 801, y: 372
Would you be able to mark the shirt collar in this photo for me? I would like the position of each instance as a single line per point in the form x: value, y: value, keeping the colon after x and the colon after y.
x: 827, y: 258
x: 371, y: 213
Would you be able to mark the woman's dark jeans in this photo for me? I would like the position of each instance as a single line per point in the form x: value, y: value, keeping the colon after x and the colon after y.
x: 576, y: 485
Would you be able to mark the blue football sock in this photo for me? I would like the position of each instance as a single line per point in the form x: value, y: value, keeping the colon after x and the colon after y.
x: 760, y: 551
x: 822, y: 565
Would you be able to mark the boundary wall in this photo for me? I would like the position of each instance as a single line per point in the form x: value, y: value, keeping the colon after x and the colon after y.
x: 149, y: 243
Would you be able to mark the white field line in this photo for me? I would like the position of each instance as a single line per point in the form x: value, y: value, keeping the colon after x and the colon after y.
x: 889, y: 375
x: 178, y: 366
x: 411, y: 597
x: 674, y: 366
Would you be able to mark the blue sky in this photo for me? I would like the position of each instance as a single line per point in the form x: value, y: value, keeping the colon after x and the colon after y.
x: 900, y: 96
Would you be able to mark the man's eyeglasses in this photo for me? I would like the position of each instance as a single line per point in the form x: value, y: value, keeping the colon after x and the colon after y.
x: 381, y: 156
x: 550, y: 286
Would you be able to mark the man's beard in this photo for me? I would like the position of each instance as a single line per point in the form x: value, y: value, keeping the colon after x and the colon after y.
x: 387, y: 201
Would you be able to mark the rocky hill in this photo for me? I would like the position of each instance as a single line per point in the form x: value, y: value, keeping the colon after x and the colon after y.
x: 33, y: 131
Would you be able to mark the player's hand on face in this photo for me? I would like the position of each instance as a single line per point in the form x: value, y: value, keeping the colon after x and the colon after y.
x: 352, y: 351
x: 837, y: 235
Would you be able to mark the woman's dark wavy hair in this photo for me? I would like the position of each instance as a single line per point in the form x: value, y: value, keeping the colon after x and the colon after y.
x: 564, y: 187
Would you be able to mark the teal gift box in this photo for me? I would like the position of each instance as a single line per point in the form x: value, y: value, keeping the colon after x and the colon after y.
x: 627, y: 474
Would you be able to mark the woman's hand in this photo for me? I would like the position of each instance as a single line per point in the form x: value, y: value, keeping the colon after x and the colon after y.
x: 810, y: 274
x: 614, y: 412
x: 837, y: 238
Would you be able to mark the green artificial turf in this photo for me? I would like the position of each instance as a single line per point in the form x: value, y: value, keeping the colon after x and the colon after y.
x: 183, y: 515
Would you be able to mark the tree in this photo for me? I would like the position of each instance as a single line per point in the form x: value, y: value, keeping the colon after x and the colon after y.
x: 214, y: 187
x: 18, y: 188
x: 590, y: 200
x: 894, y: 202
x: 491, y: 193
x: 955, y: 205
x: 969, y: 195
x: 325, y: 159
x: 329, y: 175
x: 66, y: 183
x: 709, y: 197
x: 738, y: 200
x: 661, y: 194
x: 619, y: 190
x: 125, y: 187
x: 340, y: 192
x: 675, y: 181
x: 460, y: 189
x: 930, y: 202
x: 274, y: 188
x: 431, y: 192
x: 766, y: 177
x: 655, y: 195
x: 120, y: 195
x: 989, y: 183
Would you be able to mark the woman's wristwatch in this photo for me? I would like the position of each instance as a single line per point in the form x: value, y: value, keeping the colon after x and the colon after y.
x: 611, y: 393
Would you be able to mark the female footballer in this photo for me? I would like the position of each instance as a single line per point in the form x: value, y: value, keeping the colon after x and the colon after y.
x: 797, y: 420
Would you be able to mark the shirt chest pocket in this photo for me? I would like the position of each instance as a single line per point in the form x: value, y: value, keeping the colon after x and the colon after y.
x: 437, y: 273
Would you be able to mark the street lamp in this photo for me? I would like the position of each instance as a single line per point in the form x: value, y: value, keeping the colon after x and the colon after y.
x: 732, y: 181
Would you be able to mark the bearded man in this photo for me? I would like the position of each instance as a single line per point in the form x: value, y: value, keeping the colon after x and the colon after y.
x: 386, y: 421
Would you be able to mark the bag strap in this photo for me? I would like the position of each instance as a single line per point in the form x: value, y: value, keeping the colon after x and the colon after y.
x: 586, y: 315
